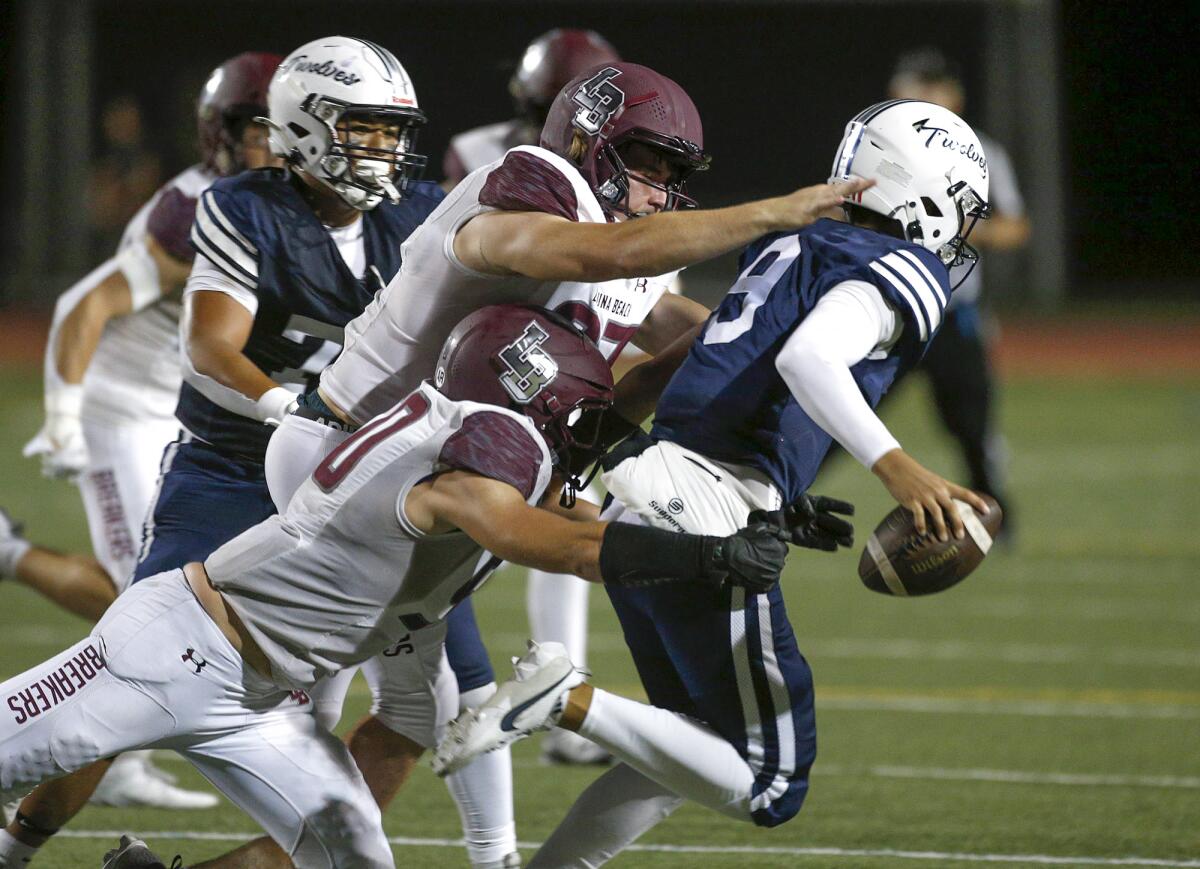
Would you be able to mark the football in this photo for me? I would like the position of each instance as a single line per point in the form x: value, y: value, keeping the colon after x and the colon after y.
x: 899, y: 561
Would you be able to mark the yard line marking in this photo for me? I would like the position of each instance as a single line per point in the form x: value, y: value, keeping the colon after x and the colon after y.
x: 888, y: 853
x: 1026, y: 708
x: 939, y: 773
x: 1012, y: 776
x: 1010, y: 653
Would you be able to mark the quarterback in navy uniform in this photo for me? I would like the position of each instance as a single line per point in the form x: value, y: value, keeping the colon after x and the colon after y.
x: 821, y: 322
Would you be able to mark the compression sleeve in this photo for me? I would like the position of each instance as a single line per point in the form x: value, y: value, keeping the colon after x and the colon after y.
x: 849, y: 322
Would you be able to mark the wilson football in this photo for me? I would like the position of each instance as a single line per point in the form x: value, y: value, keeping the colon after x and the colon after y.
x: 899, y: 561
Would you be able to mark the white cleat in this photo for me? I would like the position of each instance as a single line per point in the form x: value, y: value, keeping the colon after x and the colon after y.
x: 531, y: 701
x: 130, y: 782
x: 567, y: 748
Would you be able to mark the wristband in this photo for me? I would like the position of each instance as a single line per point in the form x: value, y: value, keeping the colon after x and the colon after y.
x: 637, y: 555
x: 274, y: 404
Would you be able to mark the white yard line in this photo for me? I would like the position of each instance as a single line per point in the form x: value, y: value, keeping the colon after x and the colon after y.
x: 940, y: 650
x: 940, y: 773
x: 1024, y: 708
x: 881, y: 853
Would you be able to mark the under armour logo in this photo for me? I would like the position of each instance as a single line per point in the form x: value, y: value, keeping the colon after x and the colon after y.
x: 192, y: 658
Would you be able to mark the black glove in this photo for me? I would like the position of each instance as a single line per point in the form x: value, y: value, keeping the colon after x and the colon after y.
x: 811, y: 522
x: 753, y: 558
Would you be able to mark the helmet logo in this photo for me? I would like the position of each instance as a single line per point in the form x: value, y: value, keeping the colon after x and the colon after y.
x: 529, y: 368
x: 598, y: 100
x: 966, y: 149
x: 325, y: 68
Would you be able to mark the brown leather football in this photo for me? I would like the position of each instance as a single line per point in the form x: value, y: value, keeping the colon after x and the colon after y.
x: 898, y: 561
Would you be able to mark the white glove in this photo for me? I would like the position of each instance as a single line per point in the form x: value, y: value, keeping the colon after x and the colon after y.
x: 274, y: 404
x: 60, y: 442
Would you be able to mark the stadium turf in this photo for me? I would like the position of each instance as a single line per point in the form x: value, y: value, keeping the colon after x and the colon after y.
x: 1047, y: 711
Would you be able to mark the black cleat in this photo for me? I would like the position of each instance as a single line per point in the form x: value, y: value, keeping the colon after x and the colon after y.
x: 132, y: 853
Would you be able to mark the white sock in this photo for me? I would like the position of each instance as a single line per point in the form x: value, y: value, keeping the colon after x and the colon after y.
x: 610, y: 814
x: 558, y: 612
x: 681, y: 754
x: 483, y: 791
x: 14, y: 853
x: 11, y: 552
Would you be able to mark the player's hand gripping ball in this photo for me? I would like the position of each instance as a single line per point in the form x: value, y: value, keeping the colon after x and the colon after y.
x: 899, y: 561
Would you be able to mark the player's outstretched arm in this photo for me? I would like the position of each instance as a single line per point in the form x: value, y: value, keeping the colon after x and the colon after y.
x: 552, y: 248
x: 847, y: 324
x: 496, y: 517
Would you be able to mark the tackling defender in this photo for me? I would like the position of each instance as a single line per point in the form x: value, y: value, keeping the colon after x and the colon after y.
x: 549, y: 225
x: 373, y: 550
x: 111, y: 380
x: 819, y: 325
x: 557, y: 605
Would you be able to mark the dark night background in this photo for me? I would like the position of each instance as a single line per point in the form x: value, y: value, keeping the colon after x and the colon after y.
x: 775, y: 83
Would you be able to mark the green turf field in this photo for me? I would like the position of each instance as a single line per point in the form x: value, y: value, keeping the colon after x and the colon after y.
x: 1047, y: 711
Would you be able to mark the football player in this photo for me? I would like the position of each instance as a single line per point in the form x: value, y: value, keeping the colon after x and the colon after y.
x: 957, y: 364
x: 549, y: 62
x: 820, y: 323
x: 374, y: 549
x: 111, y: 381
x: 557, y: 605
x: 285, y: 257
x: 549, y: 225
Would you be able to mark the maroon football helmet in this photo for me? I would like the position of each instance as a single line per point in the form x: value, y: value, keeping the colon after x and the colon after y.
x: 553, y: 59
x: 535, y: 362
x: 617, y: 103
x: 235, y: 93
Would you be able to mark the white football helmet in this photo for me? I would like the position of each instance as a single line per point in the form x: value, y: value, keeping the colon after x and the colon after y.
x: 930, y: 173
x: 324, y: 82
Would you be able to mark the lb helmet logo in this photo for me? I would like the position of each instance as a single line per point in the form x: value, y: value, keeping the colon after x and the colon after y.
x: 598, y: 100
x: 527, y: 369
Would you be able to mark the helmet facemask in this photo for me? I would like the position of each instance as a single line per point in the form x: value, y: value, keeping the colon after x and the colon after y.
x: 684, y: 158
x: 361, y: 174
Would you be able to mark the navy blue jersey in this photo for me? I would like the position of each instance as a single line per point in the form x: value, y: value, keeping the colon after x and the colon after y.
x: 261, y: 233
x: 729, y: 402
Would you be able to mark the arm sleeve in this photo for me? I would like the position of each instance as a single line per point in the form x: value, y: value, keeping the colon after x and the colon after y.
x: 219, y: 233
x: 849, y: 322
x: 207, y: 276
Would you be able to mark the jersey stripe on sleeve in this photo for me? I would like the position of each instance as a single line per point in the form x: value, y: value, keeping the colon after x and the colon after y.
x: 219, y: 240
x: 924, y: 297
x: 933, y: 282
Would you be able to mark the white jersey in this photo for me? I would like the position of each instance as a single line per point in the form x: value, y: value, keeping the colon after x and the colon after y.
x: 395, y: 343
x: 343, y: 574
x: 135, y: 372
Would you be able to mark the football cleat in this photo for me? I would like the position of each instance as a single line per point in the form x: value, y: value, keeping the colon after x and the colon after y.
x: 529, y: 702
x: 566, y: 748
x: 132, y: 853
x: 132, y: 782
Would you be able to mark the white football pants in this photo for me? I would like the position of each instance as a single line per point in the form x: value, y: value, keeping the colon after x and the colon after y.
x: 118, y: 485
x: 157, y: 673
